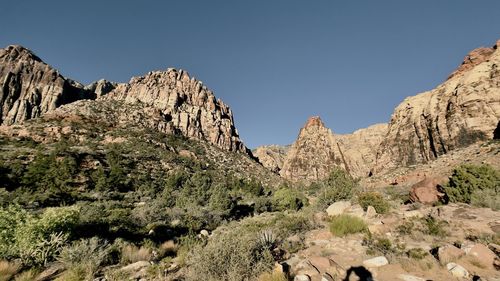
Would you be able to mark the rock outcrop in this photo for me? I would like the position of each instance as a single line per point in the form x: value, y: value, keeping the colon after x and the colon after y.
x: 186, y: 105
x: 176, y: 103
x: 461, y: 111
x: 313, y: 155
x: 360, y: 148
x: 317, y: 151
x: 29, y: 87
x: 271, y: 156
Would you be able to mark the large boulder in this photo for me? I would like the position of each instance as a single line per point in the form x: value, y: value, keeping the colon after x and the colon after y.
x: 427, y: 191
x: 482, y: 253
x: 338, y: 208
x: 449, y: 253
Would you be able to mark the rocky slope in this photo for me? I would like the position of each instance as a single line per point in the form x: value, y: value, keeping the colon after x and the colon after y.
x: 180, y: 104
x: 463, y: 110
x: 29, y: 87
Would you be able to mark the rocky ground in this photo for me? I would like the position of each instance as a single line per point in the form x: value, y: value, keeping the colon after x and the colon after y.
x: 409, y: 257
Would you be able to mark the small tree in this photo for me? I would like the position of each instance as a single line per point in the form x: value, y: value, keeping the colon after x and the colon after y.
x: 476, y: 185
x: 338, y: 186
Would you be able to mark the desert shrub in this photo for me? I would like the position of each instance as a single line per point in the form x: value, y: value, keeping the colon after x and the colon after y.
x: 220, y: 200
x: 338, y: 186
x: 434, y: 226
x: 477, y: 185
x: 374, y: 199
x: 8, y: 270
x: 417, y: 253
x: 11, y: 218
x: 406, y: 228
x: 232, y: 255
x: 379, y: 245
x: 343, y: 225
x: 131, y: 253
x: 40, y: 239
x: 84, y: 257
x: 288, y: 199
x: 272, y: 276
x: 35, y: 239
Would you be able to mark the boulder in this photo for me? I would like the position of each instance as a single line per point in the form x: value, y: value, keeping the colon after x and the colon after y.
x: 483, y: 254
x: 449, y: 253
x: 338, y: 208
x: 457, y: 270
x: 370, y: 212
x: 427, y: 191
x: 376, y: 262
x: 356, y: 211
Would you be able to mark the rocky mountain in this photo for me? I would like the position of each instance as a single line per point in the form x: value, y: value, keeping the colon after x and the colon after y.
x: 313, y: 154
x: 462, y: 110
x: 186, y: 106
x: 271, y: 156
x: 317, y: 151
x: 180, y: 104
x: 29, y: 87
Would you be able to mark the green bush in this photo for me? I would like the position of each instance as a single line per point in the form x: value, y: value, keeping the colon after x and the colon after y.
x: 374, y: 199
x: 233, y: 256
x: 477, y: 185
x: 338, y: 186
x: 434, y: 226
x: 288, y: 199
x: 83, y: 258
x: 344, y: 224
x: 35, y: 239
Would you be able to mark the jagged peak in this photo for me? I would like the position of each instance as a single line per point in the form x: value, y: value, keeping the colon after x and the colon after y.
x: 474, y: 58
x: 16, y: 52
x: 314, y: 121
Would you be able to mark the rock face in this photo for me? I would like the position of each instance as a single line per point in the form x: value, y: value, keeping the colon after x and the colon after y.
x: 463, y: 110
x: 317, y: 151
x: 177, y: 103
x: 314, y: 153
x: 360, y: 148
x: 271, y: 156
x: 187, y: 106
x: 29, y: 87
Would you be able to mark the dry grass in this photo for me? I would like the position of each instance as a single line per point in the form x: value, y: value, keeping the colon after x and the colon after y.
x: 168, y: 248
x: 414, y: 265
x: 272, y: 276
x: 8, y: 270
x: 28, y: 275
x: 131, y: 254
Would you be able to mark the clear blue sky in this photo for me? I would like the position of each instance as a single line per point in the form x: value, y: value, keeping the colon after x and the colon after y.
x: 275, y: 62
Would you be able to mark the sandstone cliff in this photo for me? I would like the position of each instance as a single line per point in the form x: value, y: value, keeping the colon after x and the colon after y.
x: 462, y: 110
x: 185, y: 104
x: 29, y: 87
x: 317, y: 151
x: 360, y: 148
x: 313, y: 155
x: 176, y: 103
x: 271, y: 156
